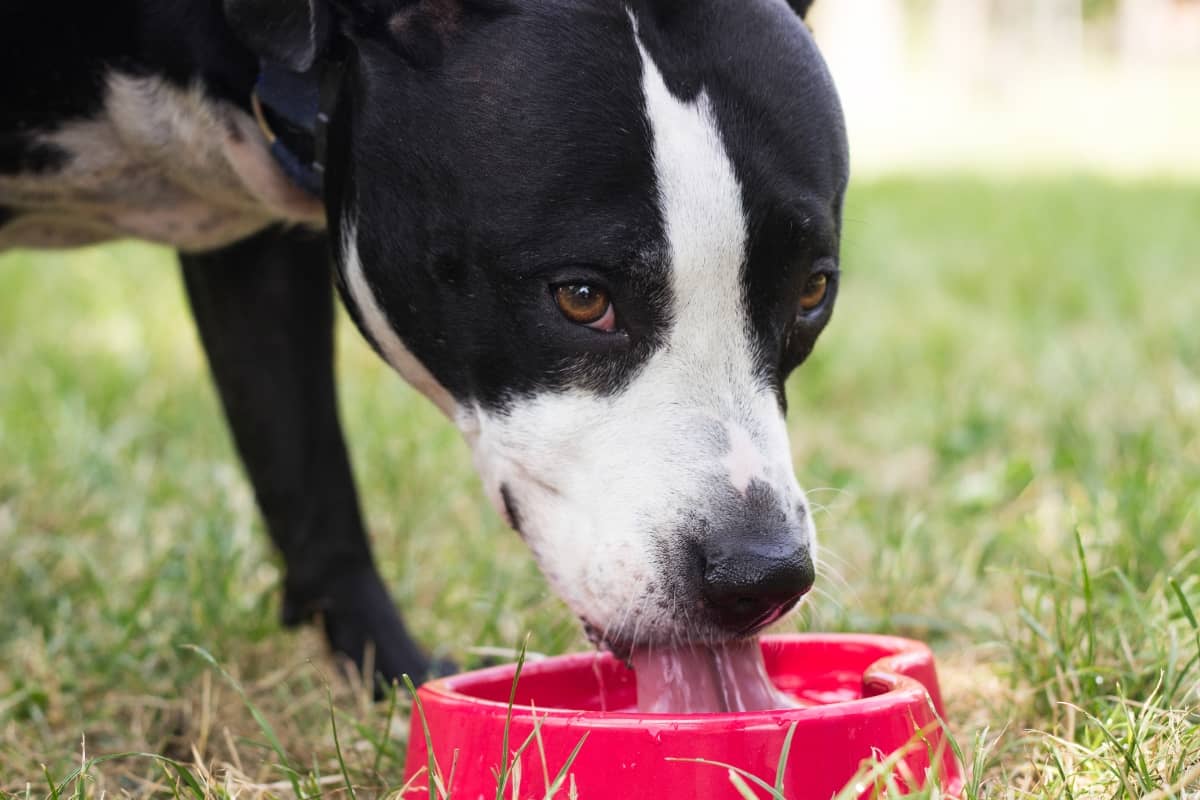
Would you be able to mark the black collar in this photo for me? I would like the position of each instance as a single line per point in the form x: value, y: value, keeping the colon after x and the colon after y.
x: 293, y: 110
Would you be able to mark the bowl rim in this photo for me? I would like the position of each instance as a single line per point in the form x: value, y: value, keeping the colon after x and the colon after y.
x: 900, y: 690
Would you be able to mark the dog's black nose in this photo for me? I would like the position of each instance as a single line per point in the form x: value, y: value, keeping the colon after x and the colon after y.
x: 751, y: 585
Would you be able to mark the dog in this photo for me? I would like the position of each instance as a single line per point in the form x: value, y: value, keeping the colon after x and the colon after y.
x: 597, y: 234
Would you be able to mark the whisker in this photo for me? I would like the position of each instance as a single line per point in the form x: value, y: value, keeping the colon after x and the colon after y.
x: 830, y: 489
x: 827, y: 570
x: 637, y: 624
x: 828, y: 555
x: 675, y: 637
x: 827, y: 596
x: 619, y: 620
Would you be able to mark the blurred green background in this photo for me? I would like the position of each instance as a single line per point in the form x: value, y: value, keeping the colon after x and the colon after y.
x: 1001, y: 429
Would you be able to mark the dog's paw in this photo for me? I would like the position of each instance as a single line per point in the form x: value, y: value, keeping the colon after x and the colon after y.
x: 361, y: 623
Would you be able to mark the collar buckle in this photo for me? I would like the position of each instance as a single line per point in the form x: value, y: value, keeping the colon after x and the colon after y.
x: 304, y: 102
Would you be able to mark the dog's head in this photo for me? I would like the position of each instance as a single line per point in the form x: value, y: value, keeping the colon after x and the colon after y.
x: 600, y: 235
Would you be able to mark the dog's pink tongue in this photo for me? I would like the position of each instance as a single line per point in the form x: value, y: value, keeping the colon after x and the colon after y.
x: 702, y: 679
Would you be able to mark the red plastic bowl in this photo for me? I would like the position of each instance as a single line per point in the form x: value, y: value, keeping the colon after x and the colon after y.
x: 865, y: 697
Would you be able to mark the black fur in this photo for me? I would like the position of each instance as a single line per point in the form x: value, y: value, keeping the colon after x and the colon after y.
x: 801, y: 7
x: 292, y: 32
x: 54, y: 57
x: 532, y: 123
x: 514, y: 134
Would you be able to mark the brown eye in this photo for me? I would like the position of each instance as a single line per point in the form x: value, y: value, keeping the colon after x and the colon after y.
x: 814, y: 291
x: 583, y: 304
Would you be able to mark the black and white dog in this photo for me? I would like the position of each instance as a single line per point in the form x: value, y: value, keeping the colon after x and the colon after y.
x: 597, y: 234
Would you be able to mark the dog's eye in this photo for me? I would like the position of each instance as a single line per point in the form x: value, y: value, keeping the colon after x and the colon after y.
x: 815, y: 291
x: 585, y: 305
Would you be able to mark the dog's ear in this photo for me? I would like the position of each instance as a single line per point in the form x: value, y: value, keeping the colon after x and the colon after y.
x: 801, y: 7
x: 292, y: 32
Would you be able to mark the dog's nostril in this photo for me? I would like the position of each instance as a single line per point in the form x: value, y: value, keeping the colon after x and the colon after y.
x: 746, y: 589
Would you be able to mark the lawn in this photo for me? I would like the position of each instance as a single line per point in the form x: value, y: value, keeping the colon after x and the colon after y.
x: 1001, y: 429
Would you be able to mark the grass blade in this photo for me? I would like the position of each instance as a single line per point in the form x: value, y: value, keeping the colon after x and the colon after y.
x: 784, y: 754
x: 259, y: 719
x: 54, y: 790
x: 1187, y: 609
x: 757, y: 781
x: 742, y: 787
x: 1089, y: 613
x: 393, y: 694
x: 502, y: 778
x: 184, y: 774
x: 337, y: 745
x: 431, y: 766
x: 566, y: 768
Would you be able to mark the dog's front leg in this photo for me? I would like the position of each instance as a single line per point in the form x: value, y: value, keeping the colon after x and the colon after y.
x: 264, y: 308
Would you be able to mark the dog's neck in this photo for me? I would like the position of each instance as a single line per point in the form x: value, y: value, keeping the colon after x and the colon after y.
x: 150, y: 136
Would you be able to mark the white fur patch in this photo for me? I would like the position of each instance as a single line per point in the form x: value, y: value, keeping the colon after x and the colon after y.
x: 744, y: 461
x: 375, y: 321
x: 160, y: 163
x: 602, y: 483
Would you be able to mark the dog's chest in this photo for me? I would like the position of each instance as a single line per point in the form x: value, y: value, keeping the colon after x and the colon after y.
x: 158, y: 162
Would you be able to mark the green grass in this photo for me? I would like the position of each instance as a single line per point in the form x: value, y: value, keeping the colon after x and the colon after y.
x: 1002, y: 429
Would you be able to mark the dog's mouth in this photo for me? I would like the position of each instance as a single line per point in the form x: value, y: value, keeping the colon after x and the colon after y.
x: 701, y: 677
x: 770, y: 617
x: 705, y: 679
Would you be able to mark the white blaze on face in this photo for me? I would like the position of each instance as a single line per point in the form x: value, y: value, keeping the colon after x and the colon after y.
x: 380, y: 329
x: 744, y: 461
